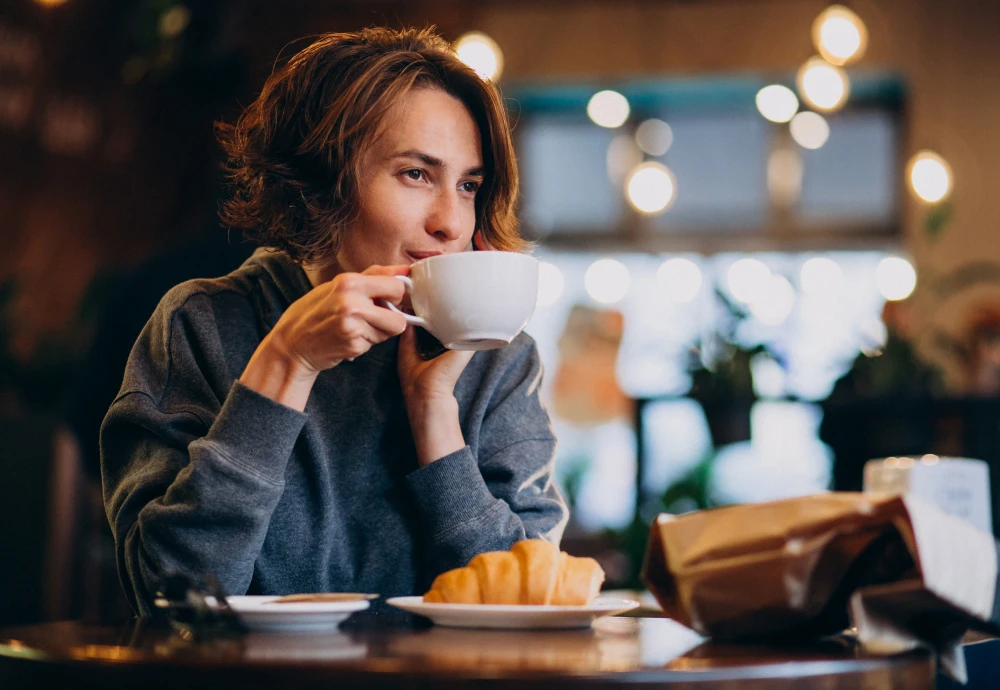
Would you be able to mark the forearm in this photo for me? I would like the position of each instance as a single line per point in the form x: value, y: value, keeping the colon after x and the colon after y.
x: 212, y: 521
x: 278, y: 376
x: 467, y: 509
x: 181, y: 501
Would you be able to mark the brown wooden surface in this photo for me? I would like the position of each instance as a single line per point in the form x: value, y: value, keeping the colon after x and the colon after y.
x: 389, y: 650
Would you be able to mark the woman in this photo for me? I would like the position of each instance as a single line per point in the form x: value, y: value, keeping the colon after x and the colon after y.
x: 272, y: 430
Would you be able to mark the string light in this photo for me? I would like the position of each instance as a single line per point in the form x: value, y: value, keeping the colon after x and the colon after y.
x: 608, y: 109
x: 777, y: 103
x: 650, y: 187
x: 930, y: 177
x: 839, y: 35
x: 481, y: 53
x: 823, y: 86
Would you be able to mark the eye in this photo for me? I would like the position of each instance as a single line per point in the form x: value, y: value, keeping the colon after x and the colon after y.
x: 415, y: 174
x: 471, y: 187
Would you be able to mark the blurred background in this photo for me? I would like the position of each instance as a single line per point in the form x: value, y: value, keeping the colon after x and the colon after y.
x: 768, y: 231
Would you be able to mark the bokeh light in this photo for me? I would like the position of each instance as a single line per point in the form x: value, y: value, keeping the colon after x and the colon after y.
x: 775, y: 301
x: 896, y: 278
x: 784, y: 176
x: 930, y: 177
x: 550, y: 284
x: 654, y: 136
x: 680, y: 279
x: 481, y: 53
x: 608, y: 109
x: 747, y: 279
x: 607, y: 281
x: 809, y: 130
x: 622, y: 157
x: 839, y: 35
x: 777, y: 103
x: 650, y: 187
x: 821, y: 277
x: 823, y: 86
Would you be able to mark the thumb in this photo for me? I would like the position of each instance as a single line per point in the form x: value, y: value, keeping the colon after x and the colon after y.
x: 453, y: 363
x: 407, y: 347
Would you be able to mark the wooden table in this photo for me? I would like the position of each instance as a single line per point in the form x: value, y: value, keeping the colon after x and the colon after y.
x: 387, y: 649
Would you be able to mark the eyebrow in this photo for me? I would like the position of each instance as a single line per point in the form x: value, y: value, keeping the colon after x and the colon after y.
x: 429, y: 160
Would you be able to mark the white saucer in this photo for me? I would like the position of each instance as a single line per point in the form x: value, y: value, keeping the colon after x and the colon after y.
x: 257, y: 614
x: 513, y: 617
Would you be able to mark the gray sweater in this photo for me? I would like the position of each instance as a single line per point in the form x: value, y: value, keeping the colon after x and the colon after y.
x: 204, y: 475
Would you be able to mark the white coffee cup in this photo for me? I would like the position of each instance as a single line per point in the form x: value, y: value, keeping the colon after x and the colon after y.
x: 473, y: 300
x: 959, y: 486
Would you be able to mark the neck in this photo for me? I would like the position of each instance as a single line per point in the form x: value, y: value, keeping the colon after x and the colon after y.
x: 322, y: 273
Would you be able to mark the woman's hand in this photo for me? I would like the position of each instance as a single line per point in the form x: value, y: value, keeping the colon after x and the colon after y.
x: 337, y: 320
x: 429, y: 395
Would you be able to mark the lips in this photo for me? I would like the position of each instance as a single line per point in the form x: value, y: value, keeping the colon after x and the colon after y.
x: 417, y: 256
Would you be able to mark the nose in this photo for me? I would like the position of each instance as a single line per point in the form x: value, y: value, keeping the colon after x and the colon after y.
x: 447, y: 218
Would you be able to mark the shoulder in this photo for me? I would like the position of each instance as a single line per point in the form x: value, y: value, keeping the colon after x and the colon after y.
x: 495, y: 374
x: 521, y: 355
x: 201, y: 329
x: 237, y: 295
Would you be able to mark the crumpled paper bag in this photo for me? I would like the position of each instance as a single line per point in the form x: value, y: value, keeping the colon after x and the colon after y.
x: 900, y: 570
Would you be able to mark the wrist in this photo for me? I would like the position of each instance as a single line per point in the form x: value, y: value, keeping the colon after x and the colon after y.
x: 274, y: 373
x: 436, y: 429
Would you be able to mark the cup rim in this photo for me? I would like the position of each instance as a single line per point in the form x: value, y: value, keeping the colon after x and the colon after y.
x: 473, y: 253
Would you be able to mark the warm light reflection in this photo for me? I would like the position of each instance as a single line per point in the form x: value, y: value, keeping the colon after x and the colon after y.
x: 608, y: 109
x: 654, y: 137
x: 930, y: 176
x: 777, y: 103
x: 650, y: 187
x: 821, y: 277
x: 623, y: 155
x: 809, y: 130
x: 747, y: 279
x: 822, y: 85
x: 839, y: 35
x: 775, y: 301
x: 550, y: 284
x: 784, y: 176
x: 607, y: 281
x: 174, y: 21
x: 896, y: 278
x: 481, y: 53
x: 680, y: 279
x: 50, y: 3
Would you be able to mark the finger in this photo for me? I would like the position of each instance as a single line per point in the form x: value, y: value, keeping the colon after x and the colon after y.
x: 352, y: 336
x: 408, y: 354
x: 370, y: 286
x: 391, y: 323
x: 398, y: 270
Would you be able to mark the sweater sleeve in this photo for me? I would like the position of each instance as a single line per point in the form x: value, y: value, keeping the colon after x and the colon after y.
x: 192, y: 461
x: 485, y: 500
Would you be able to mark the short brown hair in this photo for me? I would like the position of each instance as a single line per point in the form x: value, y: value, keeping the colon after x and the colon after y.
x: 295, y: 153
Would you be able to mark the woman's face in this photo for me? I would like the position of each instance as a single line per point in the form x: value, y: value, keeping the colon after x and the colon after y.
x: 418, y: 185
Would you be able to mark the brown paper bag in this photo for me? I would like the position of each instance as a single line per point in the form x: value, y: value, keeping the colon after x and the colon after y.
x: 788, y: 569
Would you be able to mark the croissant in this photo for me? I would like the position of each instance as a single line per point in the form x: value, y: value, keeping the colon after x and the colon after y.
x: 534, y: 572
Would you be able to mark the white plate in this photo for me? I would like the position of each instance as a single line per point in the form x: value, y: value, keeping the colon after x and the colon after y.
x: 514, y: 617
x: 257, y: 614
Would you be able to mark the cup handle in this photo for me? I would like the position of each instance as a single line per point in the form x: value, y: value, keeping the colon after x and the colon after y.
x: 410, y: 318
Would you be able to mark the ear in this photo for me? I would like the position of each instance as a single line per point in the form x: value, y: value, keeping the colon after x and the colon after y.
x: 480, y: 243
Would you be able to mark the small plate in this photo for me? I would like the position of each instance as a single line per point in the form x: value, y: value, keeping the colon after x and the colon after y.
x: 514, y: 617
x: 259, y: 613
